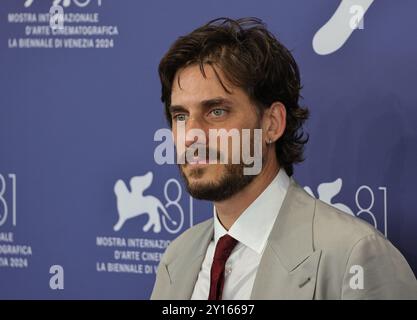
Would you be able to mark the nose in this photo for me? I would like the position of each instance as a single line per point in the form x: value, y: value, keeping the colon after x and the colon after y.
x: 195, y: 131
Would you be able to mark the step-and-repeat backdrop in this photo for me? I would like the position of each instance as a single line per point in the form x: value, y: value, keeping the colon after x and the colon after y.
x: 79, y: 109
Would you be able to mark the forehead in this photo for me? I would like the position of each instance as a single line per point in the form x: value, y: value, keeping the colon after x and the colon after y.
x: 190, y: 86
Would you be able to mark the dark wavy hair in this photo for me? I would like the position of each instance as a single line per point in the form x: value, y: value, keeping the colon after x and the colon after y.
x: 251, y: 58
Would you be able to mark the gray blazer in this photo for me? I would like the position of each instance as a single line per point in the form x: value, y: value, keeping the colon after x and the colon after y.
x: 309, y: 255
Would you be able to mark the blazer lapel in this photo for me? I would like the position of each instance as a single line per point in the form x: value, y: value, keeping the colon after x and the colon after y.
x: 184, y: 270
x: 289, y: 264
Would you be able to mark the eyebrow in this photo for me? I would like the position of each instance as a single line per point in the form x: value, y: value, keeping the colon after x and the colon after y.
x: 206, y: 104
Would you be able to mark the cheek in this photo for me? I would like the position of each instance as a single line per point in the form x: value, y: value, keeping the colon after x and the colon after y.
x: 177, y: 134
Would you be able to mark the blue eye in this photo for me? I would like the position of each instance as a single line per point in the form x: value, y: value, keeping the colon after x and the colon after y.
x: 180, y: 117
x: 218, y: 112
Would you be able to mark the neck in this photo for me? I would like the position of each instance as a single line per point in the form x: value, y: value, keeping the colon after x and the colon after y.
x: 229, y: 210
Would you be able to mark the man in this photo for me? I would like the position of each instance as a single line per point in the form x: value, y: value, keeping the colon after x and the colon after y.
x: 268, y: 238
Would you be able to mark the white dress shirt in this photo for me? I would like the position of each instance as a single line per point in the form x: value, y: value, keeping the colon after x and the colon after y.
x: 252, y: 230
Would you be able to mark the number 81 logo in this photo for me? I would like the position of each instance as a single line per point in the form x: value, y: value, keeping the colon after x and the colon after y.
x: 4, y: 207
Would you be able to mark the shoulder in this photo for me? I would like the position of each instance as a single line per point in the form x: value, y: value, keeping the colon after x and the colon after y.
x: 187, y: 240
x: 331, y: 226
x: 348, y: 243
x: 337, y: 228
x: 333, y: 231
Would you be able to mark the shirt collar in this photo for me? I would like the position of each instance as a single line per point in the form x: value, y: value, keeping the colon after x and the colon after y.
x: 254, y: 225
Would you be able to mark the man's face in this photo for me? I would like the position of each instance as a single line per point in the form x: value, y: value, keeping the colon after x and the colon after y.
x: 199, y: 102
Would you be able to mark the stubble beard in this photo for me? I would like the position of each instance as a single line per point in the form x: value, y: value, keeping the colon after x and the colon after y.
x: 231, y: 182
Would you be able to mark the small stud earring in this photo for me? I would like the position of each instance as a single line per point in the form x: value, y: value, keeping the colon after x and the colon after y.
x: 269, y: 141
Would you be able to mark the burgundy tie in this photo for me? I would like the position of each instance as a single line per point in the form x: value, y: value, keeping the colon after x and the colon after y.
x: 224, y: 247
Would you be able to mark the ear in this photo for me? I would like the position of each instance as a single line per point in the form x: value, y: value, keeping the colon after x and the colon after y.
x: 274, y: 122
